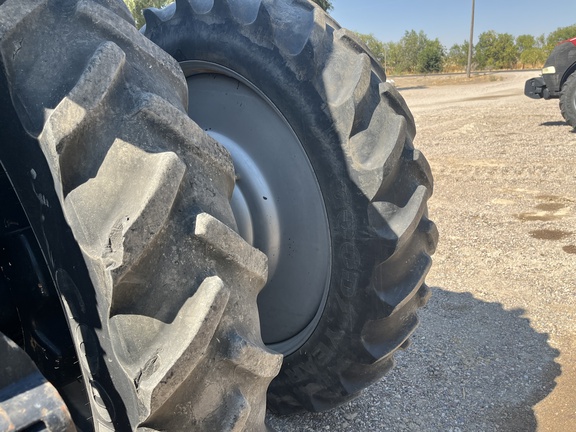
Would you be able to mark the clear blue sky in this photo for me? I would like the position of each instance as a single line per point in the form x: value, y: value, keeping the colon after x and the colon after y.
x: 449, y: 20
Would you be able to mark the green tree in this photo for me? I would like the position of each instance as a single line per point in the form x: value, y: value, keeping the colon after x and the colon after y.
x: 483, y: 51
x: 324, y: 4
x: 533, y: 57
x: 525, y: 42
x: 389, y: 54
x: 376, y: 47
x: 431, y: 57
x: 457, y: 57
x: 526, y: 45
x: 411, y: 44
x: 417, y: 53
x: 558, y: 35
x: 496, y: 51
x: 137, y: 6
x: 394, y: 58
x: 507, y: 51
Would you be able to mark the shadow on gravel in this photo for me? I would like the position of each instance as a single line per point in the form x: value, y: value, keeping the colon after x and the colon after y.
x: 554, y: 123
x: 420, y: 87
x: 473, y: 366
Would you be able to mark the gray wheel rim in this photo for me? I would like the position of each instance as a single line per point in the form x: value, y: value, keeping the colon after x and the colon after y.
x: 277, y: 201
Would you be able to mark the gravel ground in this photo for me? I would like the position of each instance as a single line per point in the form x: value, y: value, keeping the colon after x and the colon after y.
x: 495, y: 349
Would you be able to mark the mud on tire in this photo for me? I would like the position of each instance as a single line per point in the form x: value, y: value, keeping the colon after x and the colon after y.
x: 370, y: 186
x: 129, y: 201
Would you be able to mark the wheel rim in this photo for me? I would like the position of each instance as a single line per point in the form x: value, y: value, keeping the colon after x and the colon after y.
x: 277, y: 201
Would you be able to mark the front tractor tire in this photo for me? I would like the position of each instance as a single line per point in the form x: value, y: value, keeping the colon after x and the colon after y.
x: 329, y: 184
x: 128, y: 201
x: 568, y: 100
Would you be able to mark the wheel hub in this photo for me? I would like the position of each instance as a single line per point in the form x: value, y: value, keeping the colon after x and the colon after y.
x: 277, y: 200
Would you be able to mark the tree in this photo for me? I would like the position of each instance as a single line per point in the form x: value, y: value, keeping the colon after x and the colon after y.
x: 558, y: 35
x: 483, y: 51
x: 137, y: 6
x: 506, y: 51
x: 431, y: 57
x: 530, y: 50
x: 457, y: 57
x: 525, y: 42
x: 324, y: 4
x: 541, y: 41
x: 411, y: 44
x: 376, y: 47
x: 533, y: 57
x: 417, y: 53
x: 496, y: 51
x: 395, y: 57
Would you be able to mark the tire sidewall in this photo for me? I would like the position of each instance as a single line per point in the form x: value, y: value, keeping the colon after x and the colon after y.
x: 568, y: 100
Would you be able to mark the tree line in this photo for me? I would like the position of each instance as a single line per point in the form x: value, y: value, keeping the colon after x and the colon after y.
x: 417, y: 53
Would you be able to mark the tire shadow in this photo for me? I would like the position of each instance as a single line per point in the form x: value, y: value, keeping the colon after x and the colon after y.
x: 472, y: 366
x: 554, y: 123
x: 558, y: 123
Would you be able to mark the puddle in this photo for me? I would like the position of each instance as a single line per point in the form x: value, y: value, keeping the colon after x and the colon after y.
x: 553, y: 208
x: 550, y: 206
x: 550, y: 234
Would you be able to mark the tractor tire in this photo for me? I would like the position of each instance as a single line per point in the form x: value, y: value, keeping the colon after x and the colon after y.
x: 329, y: 184
x: 568, y: 100
x: 129, y: 201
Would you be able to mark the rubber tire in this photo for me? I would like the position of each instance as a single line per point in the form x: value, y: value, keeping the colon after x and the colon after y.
x: 357, y: 132
x: 129, y: 201
x: 568, y: 100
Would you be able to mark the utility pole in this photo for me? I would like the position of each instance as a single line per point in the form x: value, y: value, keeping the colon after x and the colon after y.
x: 470, y: 42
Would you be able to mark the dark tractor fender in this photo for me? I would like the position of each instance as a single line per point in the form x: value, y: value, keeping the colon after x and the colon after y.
x: 568, y: 72
x: 563, y: 59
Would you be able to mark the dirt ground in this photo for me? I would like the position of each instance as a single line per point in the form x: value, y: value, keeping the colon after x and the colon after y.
x: 496, y: 347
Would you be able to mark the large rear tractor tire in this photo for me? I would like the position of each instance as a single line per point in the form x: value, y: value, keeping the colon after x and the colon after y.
x: 329, y: 184
x: 568, y: 100
x: 129, y: 202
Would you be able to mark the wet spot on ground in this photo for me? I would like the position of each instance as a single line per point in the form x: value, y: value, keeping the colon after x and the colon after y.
x: 549, y: 206
x: 552, y: 208
x: 546, y: 234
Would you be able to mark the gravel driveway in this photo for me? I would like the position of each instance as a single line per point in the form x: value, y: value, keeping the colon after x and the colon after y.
x: 496, y: 347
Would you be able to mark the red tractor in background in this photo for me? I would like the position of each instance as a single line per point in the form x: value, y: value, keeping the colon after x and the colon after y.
x: 558, y: 80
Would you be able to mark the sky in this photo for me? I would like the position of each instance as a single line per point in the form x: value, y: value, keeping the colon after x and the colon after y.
x: 449, y: 20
